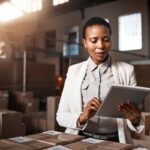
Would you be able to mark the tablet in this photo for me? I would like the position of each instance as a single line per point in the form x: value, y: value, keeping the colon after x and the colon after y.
x: 118, y: 94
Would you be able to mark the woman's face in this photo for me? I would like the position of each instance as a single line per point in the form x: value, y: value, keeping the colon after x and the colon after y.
x: 97, y: 42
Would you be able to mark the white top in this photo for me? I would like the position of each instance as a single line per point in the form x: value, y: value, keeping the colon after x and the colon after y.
x: 96, y: 83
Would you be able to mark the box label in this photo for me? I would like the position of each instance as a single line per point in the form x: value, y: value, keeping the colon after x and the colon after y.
x: 52, y: 132
x: 92, y: 140
x: 20, y: 139
x: 59, y: 147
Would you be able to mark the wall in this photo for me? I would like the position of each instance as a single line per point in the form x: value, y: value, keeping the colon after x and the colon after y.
x: 40, y: 78
x: 46, y: 22
x: 142, y: 74
x: 112, y: 11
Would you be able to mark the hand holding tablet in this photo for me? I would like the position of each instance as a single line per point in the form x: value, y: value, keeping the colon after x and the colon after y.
x: 121, y: 94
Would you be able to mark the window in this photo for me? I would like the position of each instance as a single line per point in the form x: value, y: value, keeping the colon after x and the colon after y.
x: 50, y: 40
x: 130, y: 32
x: 71, y: 47
x: 2, y: 50
x: 8, y: 16
x: 27, y: 6
x: 18, y: 8
x: 57, y: 2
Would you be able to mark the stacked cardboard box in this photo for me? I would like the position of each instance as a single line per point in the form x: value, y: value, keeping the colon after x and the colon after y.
x: 11, y: 124
x: 56, y: 138
x: 3, y: 99
x: 9, y: 145
x: 146, y: 130
x: 99, y: 144
x: 30, y: 143
x: 25, y: 102
x: 147, y: 103
x: 143, y: 139
x: 94, y: 144
x: 52, y: 106
x: 38, y: 141
x: 146, y: 116
x: 35, y: 122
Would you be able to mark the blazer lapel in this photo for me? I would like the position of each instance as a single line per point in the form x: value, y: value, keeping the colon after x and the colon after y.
x: 115, y: 72
x: 77, y: 88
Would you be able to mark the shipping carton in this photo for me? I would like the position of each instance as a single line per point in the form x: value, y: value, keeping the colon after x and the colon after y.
x: 56, y: 138
x: 98, y: 145
x: 52, y: 106
x: 9, y: 145
x: 143, y: 143
x: 4, y: 99
x: 31, y: 143
x: 35, y: 122
x: 25, y: 102
x: 11, y: 124
x: 94, y: 144
x: 146, y: 117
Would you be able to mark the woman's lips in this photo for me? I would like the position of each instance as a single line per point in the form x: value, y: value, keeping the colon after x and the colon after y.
x: 100, y: 53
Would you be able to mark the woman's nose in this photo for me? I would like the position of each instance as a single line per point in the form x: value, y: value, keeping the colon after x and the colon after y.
x: 100, y: 44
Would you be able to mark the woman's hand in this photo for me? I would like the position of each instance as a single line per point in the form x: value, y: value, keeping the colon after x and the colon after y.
x: 90, y: 110
x: 130, y: 111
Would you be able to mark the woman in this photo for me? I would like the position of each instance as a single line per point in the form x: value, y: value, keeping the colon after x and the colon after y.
x: 87, y: 84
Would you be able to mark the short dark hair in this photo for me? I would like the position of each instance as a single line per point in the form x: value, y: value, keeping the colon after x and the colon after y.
x: 95, y: 21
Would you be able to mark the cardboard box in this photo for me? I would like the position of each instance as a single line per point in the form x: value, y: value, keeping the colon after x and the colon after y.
x: 4, y: 99
x: 147, y: 102
x: 25, y: 102
x: 62, y: 139
x: 31, y: 143
x: 28, y: 105
x: 146, y: 116
x: 8, y: 145
x: 142, y: 143
x: 146, y: 131
x: 98, y: 145
x: 11, y: 124
x: 39, y: 136
x: 21, y: 95
x: 3, y: 103
x: 52, y: 106
x: 143, y: 139
x: 56, y: 138
x: 94, y: 144
x: 35, y: 122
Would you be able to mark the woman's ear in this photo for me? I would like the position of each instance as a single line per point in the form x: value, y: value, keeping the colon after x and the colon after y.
x: 84, y: 43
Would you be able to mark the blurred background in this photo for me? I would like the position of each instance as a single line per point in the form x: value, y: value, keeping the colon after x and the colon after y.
x: 40, y: 39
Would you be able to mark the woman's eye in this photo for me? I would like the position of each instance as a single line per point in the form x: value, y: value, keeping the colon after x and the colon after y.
x: 93, y: 40
x: 106, y: 39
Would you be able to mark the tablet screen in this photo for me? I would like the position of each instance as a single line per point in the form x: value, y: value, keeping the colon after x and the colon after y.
x: 118, y: 94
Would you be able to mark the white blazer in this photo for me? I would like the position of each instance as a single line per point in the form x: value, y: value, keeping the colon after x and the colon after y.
x: 70, y: 106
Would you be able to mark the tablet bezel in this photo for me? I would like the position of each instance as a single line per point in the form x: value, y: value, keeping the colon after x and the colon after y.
x: 118, y: 94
